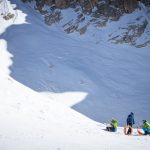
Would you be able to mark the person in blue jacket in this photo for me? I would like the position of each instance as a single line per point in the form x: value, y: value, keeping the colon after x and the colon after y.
x: 130, y: 122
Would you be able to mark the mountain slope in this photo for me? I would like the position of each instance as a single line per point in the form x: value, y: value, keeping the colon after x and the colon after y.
x: 42, y: 68
x: 30, y: 120
x: 48, y: 60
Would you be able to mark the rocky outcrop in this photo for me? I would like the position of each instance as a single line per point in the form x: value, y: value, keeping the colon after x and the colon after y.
x: 131, y: 34
x: 100, y: 12
x: 53, y: 17
x: 88, y: 5
x: 146, y: 2
x: 62, y: 3
x: 130, y: 5
x: 49, y: 2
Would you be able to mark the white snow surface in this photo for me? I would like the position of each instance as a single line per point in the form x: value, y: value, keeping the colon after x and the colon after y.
x: 58, y: 90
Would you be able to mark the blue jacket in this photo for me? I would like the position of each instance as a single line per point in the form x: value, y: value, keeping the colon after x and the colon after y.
x: 130, y: 119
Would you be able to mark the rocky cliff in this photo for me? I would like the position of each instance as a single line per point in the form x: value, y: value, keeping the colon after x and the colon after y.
x: 99, y: 12
x: 88, y: 5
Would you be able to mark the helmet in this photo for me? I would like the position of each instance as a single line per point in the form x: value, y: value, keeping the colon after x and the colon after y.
x: 144, y: 121
x: 132, y: 113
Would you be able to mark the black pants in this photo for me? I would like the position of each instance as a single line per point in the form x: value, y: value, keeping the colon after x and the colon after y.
x: 147, y: 133
x: 130, y: 128
x: 110, y: 129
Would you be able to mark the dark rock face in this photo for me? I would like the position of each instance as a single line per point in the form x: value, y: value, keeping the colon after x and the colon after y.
x: 53, y: 17
x: 131, y: 34
x: 49, y: 2
x: 100, y: 13
x: 146, y: 2
x: 62, y: 3
x: 130, y: 5
x: 88, y: 5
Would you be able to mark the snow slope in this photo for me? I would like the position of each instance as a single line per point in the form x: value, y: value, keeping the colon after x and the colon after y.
x: 43, y: 71
x: 100, y: 75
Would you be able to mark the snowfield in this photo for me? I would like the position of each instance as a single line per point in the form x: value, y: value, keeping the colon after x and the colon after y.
x: 57, y: 91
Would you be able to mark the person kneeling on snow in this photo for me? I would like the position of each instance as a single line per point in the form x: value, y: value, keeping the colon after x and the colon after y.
x: 112, y: 126
x: 146, y: 127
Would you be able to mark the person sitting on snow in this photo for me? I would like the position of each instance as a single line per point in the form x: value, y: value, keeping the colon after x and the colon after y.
x: 146, y: 127
x: 130, y: 122
x: 112, y: 126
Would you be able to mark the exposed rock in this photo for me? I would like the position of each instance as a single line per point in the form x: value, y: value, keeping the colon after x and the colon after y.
x: 88, y: 5
x: 130, y: 5
x: 72, y: 28
x: 62, y: 3
x: 141, y: 29
x: 131, y: 34
x: 73, y: 25
x: 146, y: 2
x: 39, y: 6
x: 103, y: 9
x: 49, y: 2
x: 9, y: 16
x: 108, y: 11
x: 99, y: 13
x: 83, y: 29
x: 53, y: 18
